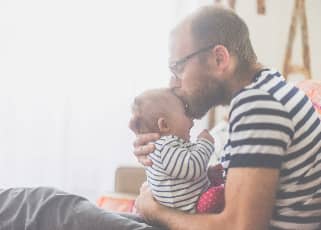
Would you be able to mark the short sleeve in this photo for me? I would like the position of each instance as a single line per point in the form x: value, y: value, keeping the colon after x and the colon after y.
x: 260, y: 131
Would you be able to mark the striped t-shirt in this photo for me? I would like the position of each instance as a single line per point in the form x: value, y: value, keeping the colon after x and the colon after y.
x: 178, y: 175
x: 272, y: 124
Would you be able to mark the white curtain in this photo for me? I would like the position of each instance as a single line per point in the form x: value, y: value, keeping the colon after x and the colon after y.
x: 69, y: 70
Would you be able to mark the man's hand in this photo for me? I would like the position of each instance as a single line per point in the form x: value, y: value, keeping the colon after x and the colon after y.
x: 206, y: 135
x: 145, y: 204
x: 143, y: 147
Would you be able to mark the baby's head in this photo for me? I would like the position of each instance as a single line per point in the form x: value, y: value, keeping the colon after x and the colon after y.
x: 160, y: 111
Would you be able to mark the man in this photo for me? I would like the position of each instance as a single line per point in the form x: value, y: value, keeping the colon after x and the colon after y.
x: 273, y: 154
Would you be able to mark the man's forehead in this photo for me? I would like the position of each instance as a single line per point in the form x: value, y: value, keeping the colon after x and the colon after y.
x: 180, y: 42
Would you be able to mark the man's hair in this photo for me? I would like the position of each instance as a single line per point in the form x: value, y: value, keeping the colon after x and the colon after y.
x: 220, y: 26
x: 149, y: 106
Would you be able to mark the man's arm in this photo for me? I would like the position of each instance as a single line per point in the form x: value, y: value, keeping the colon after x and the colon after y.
x: 249, y: 200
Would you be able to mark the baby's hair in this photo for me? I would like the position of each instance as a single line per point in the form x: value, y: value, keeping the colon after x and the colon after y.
x: 149, y: 106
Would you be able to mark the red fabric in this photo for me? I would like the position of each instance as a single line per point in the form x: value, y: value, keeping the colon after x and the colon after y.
x: 211, y: 201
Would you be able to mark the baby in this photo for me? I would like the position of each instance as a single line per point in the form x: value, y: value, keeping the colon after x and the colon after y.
x: 178, y: 175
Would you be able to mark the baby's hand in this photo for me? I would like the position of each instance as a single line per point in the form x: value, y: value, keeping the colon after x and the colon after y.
x: 206, y: 135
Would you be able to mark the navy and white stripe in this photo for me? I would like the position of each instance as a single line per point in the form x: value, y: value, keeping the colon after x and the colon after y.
x: 274, y: 125
x: 178, y: 175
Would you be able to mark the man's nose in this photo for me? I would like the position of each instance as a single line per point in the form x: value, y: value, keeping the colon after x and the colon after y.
x: 174, y: 82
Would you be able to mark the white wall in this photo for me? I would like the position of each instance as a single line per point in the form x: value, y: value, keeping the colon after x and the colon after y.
x: 269, y: 32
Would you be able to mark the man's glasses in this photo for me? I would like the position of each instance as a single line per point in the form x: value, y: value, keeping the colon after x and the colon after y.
x: 177, y: 67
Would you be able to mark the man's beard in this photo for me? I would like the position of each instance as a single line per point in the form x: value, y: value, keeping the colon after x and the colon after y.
x: 209, y: 93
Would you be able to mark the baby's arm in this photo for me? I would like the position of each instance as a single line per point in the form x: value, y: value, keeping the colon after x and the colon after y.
x: 185, y: 162
x: 206, y: 135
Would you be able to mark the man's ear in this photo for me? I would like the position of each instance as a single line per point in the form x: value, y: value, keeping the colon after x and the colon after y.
x: 163, y: 125
x: 221, y: 58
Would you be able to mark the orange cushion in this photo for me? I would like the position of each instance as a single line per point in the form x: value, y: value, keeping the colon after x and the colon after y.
x: 116, y: 203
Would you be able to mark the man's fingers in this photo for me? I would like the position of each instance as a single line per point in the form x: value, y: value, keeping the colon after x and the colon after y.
x: 144, y: 161
x: 144, y: 150
x: 142, y: 153
x: 143, y: 139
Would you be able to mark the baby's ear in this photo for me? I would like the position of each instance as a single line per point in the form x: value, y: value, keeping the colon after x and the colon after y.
x: 162, y: 125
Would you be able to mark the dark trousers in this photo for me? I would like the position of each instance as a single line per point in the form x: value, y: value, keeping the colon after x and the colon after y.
x: 51, y: 209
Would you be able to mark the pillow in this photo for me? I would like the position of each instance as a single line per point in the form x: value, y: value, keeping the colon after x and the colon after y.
x: 117, y: 202
x: 312, y: 88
